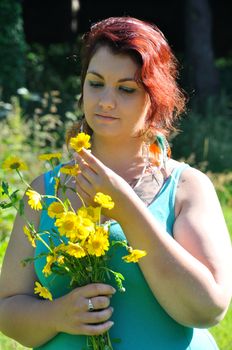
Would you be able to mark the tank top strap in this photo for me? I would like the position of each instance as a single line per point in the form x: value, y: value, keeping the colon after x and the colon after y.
x: 49, y: 179
x: 174, y: 180
x: 163, y: 207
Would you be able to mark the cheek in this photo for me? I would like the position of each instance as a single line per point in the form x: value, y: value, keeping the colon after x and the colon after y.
x: 88, y: 100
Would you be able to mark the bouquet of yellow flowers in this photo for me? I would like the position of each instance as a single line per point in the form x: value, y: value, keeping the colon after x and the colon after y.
x: 83, y: 240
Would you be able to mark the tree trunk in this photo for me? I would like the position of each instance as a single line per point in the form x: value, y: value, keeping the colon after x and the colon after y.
x: 202, y: 74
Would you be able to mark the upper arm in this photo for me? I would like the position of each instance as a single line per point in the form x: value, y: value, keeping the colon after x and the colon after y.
x: 200, y: 226
x: 16, y: 278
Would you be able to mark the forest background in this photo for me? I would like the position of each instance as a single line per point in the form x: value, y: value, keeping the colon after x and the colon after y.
x: 40, y: 86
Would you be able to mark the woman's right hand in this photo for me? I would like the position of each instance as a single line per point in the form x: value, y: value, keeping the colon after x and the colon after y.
x: 72, y: 315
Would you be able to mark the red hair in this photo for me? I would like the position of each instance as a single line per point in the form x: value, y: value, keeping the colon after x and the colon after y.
x: 158, y: 71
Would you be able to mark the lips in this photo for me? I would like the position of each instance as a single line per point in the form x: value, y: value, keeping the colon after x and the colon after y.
x: 106, y: 116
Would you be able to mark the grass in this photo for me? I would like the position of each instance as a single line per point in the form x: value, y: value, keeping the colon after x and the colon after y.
x: 9, y: 344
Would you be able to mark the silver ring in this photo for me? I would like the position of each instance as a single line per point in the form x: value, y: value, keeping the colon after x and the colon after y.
x: 90, y: 305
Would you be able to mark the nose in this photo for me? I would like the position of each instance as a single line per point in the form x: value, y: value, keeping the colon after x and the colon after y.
x: 107, y: 100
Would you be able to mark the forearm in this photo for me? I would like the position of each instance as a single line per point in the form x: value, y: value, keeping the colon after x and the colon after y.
x: 28, y: 320
x: 184, y: 286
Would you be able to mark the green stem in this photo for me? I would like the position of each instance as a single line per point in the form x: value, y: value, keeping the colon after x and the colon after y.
x: 22, y: 179
x: 43, y: 241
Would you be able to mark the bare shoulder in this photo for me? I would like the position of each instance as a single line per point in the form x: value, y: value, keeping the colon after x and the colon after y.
x: 15, y: 278
x: 200, y: 226
x: 193, y: 187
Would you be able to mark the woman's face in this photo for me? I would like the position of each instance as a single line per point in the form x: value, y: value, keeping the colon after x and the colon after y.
x: 114, y: 104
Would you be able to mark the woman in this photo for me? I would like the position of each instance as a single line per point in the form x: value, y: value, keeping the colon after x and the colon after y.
x: 130, y: 102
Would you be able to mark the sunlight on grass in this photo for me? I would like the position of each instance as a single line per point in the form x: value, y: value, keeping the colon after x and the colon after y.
x: 9, y: 344
x: 223, y: 332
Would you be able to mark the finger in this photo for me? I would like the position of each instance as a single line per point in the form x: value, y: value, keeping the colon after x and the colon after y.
x: 88, y: 173
x: 92, y: 161
x: 98, y: 303
x: 82, y: 194
x: 95, y: 317
x: 96, y: 329
x: 84, y: 184
x: 96, y: 289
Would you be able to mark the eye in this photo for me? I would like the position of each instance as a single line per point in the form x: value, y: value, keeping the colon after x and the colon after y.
x: 127, y: 89
x: 95, y: 84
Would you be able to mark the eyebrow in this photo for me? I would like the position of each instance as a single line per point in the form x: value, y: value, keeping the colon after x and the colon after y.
x: 101, y: 77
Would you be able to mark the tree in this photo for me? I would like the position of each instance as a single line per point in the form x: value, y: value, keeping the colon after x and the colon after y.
x: 202, y: 74
x: 12, y: 48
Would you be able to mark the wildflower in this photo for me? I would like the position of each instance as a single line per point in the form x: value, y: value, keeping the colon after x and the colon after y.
x: 60, y: 260
x: 50, y: 259
x: 75, y: 249
x: 72, y: 170
x: 85, y: 228
x: 42, y: 291
x: 67, y: 224
x: 55, y: 210
x: 134, y: 256
x: 34, y: 199
x: 49, y: 156
x: 29, y: 235
x: 13, y: 163
x: 98, y: 243
x: 92, y: 213
x: 104, y: 200
x: 80, y: 141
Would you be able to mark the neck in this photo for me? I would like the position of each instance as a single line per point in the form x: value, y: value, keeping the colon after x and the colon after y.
x: 121, y: 157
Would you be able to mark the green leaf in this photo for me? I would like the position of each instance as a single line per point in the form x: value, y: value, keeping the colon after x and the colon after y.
x: 119, y: 275
x: 5, y: 205
x: 21, y: 207
x: 119, y: 243
x: 5, y: 188
x: 14, y: 198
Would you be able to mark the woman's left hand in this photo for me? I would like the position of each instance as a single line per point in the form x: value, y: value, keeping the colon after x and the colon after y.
x: 96, y: 177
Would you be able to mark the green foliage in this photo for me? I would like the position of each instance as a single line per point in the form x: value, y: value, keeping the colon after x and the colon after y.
x: 54, y: 67
x: 222, y: 332
x: 9, y: 344
x: 12, y: 44
x: 205, y: 137
x: 25, y: 139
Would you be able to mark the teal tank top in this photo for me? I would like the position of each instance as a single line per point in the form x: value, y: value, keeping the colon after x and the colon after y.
x: 139, y: 320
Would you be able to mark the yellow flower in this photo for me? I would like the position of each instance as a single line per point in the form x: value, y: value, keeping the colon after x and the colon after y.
x: 50, y: 259
x: 34, y: 199
x: 104, y: 200
x: 60, y: 260
x: 13, y: 163
x: 67, y: 224
x: 29, y: 235
x: 49, y: 156
x: 134, y: 256
x: 55, y: 210
x: 92, y: 213
x: 85, y: 228
x: 98, y: 243
x: 72, y: 170
x: 80, y: 141
x: 42, y: 291
x: 75, y: 249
